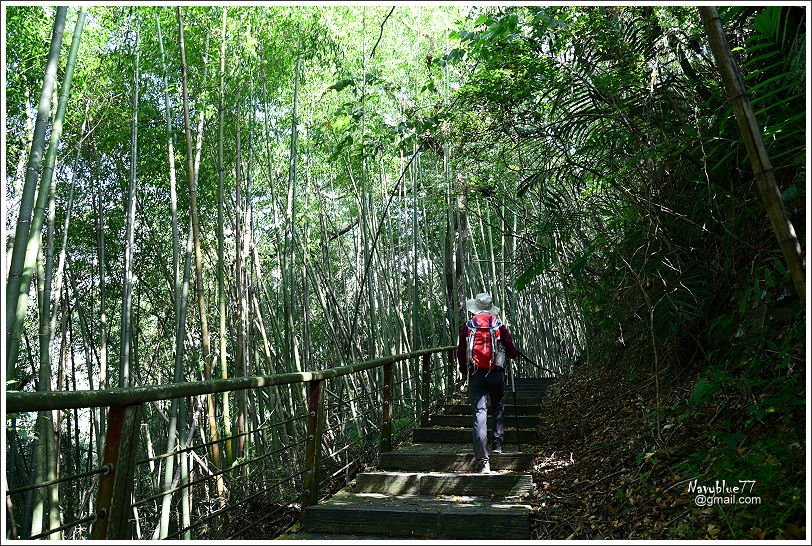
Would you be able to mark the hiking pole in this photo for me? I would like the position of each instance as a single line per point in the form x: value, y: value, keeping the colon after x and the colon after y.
x: 515, y: 405
x: 537, y: 365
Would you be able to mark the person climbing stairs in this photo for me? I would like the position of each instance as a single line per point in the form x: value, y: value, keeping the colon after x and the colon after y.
x: 430, y: 489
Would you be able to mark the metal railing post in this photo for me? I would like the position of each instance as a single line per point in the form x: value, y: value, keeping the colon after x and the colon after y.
x: 425, y: 389
x: 315, y: 428
x: 450, y: 373
x: 116, y: 486
x: 386, y: 425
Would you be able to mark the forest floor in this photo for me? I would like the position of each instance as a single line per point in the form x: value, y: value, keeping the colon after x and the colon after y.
x: 600, y: 473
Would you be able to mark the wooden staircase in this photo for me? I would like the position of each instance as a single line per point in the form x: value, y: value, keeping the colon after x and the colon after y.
x: 429, y: 489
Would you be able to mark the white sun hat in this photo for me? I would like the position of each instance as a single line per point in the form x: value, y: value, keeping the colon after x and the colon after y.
x: 481, y: 303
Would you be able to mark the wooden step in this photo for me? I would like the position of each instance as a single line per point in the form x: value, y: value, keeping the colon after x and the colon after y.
x: 463, y: 518
x: 522, y: 397
x: 496, y: 484
x: 323, y: 538
x: 510, y: 409
x: 526, y: 390
x: 440, y: 457
x: 296, y: 532
x: 537, y: 392
x: 464, y: 435
x: 525, y: 421
x: 533, y: 382
x: 524, y: 401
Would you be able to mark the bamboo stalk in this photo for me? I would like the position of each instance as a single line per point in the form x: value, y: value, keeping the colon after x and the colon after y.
x: 205, y: 339
x: 759, y: 159
x: 19, y: 275
x: 221, y: 295
x: 178, y: 300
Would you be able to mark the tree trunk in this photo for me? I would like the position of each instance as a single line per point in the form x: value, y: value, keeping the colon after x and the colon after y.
x: 221, y: 287
x: 175, y: 429
x: 18, y: 282
x: 460, y: 254
x: 180, y: 337
x: 749, y: 127
x: 205, y: 340
x: 239, y: 348
x: 56, y: 294
x: 19, y: 175
x: 102, y: 313
x: 43, y: 450
x: 127, y: 288
x: 47, y: 325
x: 47, y: 468
x: 415, y: 317
x: 290, y: 234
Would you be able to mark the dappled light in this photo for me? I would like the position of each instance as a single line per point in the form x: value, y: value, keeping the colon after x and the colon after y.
x: 552, y: 462
x: 322, y: 272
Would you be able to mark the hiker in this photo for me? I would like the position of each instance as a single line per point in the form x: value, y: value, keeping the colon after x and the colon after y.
x: 484, y: 343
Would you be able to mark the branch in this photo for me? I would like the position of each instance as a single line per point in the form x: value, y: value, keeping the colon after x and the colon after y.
x: 380, y: 35
x: 375, y: 243
x: 336, y: 234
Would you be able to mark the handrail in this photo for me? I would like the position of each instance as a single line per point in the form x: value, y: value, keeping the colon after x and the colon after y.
x: 127, y: 405
x: 17, y: 401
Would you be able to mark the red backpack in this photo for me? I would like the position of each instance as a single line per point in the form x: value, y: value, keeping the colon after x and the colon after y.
x: 484, y: 342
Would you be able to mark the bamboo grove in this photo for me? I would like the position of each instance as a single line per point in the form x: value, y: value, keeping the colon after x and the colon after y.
x: 197, y: 193
x: 243, y: 194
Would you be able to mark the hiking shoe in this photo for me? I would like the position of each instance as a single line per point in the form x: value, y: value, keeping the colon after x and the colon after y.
x: 497, y: 447
x: 484, y: 467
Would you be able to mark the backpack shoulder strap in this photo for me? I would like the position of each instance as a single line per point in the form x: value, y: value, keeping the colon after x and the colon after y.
x: 469, y: 342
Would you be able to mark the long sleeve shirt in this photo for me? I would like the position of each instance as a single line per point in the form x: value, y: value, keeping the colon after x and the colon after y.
x: 462, y: 346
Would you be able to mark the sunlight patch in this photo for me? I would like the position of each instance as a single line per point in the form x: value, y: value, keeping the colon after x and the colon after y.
x: 554, y: 462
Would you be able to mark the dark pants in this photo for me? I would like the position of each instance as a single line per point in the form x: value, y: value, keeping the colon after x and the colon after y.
x: 482, y: 385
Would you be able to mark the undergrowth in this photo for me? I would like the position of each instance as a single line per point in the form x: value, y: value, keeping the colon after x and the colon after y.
x: 735, y: 413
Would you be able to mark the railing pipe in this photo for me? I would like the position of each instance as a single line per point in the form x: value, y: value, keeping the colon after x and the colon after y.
x: 104, y: 469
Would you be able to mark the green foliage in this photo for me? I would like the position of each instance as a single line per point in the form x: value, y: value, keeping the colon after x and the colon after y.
x: 640, y: 203
x: 703, y: 392
x: 576, y: 90
x: 603, y: 131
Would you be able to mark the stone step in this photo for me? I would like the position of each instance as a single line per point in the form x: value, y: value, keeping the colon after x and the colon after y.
x: 525, y: 421
x: 496, y: 484
x: 463, y: 518
x: 464, y: 435
x: 510, y: 409
x: 440, y: 457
